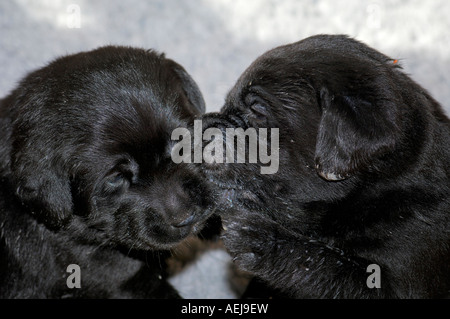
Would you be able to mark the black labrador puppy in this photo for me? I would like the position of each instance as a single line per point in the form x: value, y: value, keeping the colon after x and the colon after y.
x: 359, y: 205
x: 88, y: 186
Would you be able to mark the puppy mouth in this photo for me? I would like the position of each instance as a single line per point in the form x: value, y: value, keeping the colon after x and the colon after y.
x: 151, y: 231
x: 170, y: 236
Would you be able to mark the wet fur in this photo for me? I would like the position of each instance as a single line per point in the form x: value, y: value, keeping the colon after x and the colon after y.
x: 363, y: 176
x: 87, y: 178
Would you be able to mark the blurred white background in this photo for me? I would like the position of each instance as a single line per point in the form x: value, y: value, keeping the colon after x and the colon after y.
x: 215, y: 40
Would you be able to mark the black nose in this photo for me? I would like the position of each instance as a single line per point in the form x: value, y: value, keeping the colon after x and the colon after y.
x: 188, y: 221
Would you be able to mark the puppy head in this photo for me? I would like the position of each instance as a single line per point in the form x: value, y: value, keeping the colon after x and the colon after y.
x: 337, y: 104
x: 91, y: 147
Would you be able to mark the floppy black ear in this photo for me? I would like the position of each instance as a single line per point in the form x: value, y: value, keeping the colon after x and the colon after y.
x: 190, y: 88
x: 41, y: 183
x: 358, y: 124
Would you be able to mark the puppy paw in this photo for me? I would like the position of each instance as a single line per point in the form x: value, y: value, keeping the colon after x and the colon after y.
x: 249, y: 241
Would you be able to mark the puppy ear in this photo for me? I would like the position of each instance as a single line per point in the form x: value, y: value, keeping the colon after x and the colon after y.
x: 357, y: 126
x: 42, y: 186
x: 190, y: 88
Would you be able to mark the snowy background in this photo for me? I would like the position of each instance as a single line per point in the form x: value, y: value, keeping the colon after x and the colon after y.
x: 215, y: 40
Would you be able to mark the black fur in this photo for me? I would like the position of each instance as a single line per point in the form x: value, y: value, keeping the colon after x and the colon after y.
x: 363, y: 175
x: 87, y: 177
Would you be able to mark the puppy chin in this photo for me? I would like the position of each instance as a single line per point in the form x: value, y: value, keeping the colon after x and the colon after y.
x: 164, y: 237
x: 171, y: 238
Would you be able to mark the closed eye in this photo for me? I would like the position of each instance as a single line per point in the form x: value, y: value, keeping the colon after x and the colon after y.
x: 115, y: 182
x: 257, y: 106
x: 258, y: 110
x: 121, y: 177
x: 116, y: 179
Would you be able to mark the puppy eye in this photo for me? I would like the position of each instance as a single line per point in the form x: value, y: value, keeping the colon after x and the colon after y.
x: 258, y: 110
x: 258, y: 107
x: 256, y: 103
x: 116, y: 181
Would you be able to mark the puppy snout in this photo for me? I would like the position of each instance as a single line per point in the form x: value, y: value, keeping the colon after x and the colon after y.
x: 184, y: 204
x: 177, y: 207
x: 211, y: 120
x: 187, y: 222
x: 223, y: 121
